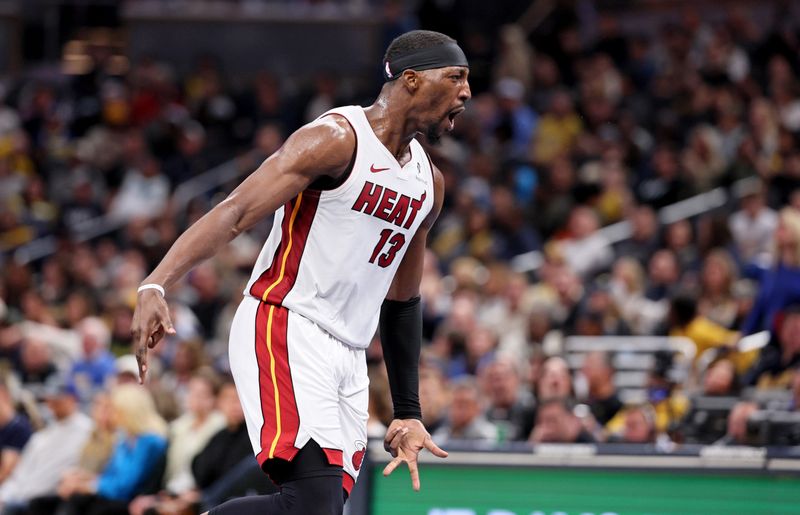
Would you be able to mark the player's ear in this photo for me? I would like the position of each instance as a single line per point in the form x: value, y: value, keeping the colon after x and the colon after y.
x: 410, y: 80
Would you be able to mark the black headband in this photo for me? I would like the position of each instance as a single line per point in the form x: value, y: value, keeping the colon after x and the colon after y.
x: 439, y: 56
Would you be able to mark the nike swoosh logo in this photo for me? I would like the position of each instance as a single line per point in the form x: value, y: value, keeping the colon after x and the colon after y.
x: 376, y: 170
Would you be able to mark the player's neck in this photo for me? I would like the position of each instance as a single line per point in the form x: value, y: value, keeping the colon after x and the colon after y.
x: 391, y: 125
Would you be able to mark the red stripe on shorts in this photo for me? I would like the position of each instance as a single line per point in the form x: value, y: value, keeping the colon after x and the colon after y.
x: 335, y: 456
x: 278, y: 404
x: 348, y: 482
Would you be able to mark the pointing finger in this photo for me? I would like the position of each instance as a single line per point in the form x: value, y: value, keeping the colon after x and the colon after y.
x: 141, y: 358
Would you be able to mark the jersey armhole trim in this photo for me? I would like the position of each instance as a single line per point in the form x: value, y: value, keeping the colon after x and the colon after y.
x: 344, y: 185
x: 433, y: 182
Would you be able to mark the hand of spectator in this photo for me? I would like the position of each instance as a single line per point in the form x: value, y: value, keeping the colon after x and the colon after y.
x: 75, y: 481
x: 151, y: 321
x: 404, y: 440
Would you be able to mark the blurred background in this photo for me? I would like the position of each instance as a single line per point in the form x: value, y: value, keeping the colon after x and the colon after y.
x: 611, y: 294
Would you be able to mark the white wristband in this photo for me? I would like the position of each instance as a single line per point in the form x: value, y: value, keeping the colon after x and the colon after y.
x: 152, y: 286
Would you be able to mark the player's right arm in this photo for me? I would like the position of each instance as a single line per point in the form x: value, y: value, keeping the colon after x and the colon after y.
x: 322, y: 148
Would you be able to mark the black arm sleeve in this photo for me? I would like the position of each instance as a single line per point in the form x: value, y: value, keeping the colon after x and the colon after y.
x: 401, y: 340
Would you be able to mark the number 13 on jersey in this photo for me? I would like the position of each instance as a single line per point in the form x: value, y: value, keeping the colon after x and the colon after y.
x: 394, y: 241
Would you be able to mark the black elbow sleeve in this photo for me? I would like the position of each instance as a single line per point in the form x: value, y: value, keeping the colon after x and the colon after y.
x: 401, y: 340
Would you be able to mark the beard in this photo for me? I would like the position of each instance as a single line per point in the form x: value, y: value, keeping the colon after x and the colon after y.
x: 433, y: 135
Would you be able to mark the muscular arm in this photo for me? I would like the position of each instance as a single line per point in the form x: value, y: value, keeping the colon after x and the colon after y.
x: 401, y: 319
x: 401, y: 338
x: 324, y: 147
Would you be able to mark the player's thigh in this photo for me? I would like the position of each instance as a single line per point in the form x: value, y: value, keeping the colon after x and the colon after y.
x: 353, y: 412
x: 285, y: 379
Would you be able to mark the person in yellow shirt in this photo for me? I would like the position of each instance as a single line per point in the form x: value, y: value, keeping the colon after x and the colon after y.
x: 558, y: 130
x: 705, y: 333
x: 668, y: 402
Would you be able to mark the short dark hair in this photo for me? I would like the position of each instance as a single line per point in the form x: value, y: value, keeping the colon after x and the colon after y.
x: 684, y: 308
x: 415, y: 40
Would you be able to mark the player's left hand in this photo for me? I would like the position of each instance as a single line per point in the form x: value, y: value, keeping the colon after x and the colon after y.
x: 404, y: 440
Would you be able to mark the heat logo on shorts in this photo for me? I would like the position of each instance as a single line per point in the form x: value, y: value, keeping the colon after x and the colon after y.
x: 358, y: 456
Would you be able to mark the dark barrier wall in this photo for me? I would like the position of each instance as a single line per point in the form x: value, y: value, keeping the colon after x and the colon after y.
x: 9, y: 37
x: 295, y: 44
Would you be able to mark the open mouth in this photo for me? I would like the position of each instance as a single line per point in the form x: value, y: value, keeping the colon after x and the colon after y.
x: 451, y: 116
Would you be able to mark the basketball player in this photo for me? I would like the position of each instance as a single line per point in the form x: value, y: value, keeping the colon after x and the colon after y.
x: 354, y: 196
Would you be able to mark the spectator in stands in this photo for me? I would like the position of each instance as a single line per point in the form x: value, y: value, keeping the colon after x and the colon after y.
x: 15, y: 430
x: 685, y: 321
x: 229, y: 446
x: 433, y: 398
x: 738, y: 433
x: 556, y: 423
x: 465, y: 420
x: 555, y: 381
x: 640, y: 426
x: 36, y: 363
x: 220, y: 463
x: 82, y: 206
x: 144, y: 192
x: 586, y: 251
x: 479, y: 347
x: 558, y: 129
x: 779, y: 286
x: 379, y: 407
x: 511, y: 408
x: 209, y: 300
x: 753, y: 227
x: 775, y: 365
x: 721, y: 378
x: 663, y: 394
x: 97, y: 451
x: 644, y: 235
x: 189, y: 357
x: 663, y: 274
x: 192, y: 431
x: 50, y: 452
x: 679, y: 238
x: 665, y: 186
x: 516, y: 121
x: 602, y: 398
x: 627, y: 288
x: 90, y: 372
x: 135, y: 459
x: 716, y: 301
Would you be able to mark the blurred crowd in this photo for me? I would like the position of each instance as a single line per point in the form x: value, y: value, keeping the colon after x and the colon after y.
x: 563, y: 139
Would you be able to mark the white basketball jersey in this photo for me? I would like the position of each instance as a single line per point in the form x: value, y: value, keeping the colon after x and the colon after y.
x: 332, y: 255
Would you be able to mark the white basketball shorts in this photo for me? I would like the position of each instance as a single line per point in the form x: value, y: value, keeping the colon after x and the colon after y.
x: 297, y: 382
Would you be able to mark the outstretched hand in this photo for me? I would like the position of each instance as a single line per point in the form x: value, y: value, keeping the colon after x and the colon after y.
x: 404, y: 440
x: 151, y: 322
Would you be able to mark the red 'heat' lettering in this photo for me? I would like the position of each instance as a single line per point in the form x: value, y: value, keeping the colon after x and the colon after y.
x: 368, y: 198
x: 400, y: 210
x: 387, y: 204
x: 416, y: 204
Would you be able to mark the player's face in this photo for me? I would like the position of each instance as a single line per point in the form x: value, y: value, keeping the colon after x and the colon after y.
x: 448, y: 91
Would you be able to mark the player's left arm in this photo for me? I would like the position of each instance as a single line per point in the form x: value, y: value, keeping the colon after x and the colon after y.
x: 401, y: 339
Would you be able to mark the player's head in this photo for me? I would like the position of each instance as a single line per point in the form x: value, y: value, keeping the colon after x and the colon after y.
x: 432, y: 69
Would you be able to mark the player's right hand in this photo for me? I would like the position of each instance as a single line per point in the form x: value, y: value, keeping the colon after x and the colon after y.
x: 151, y: 321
